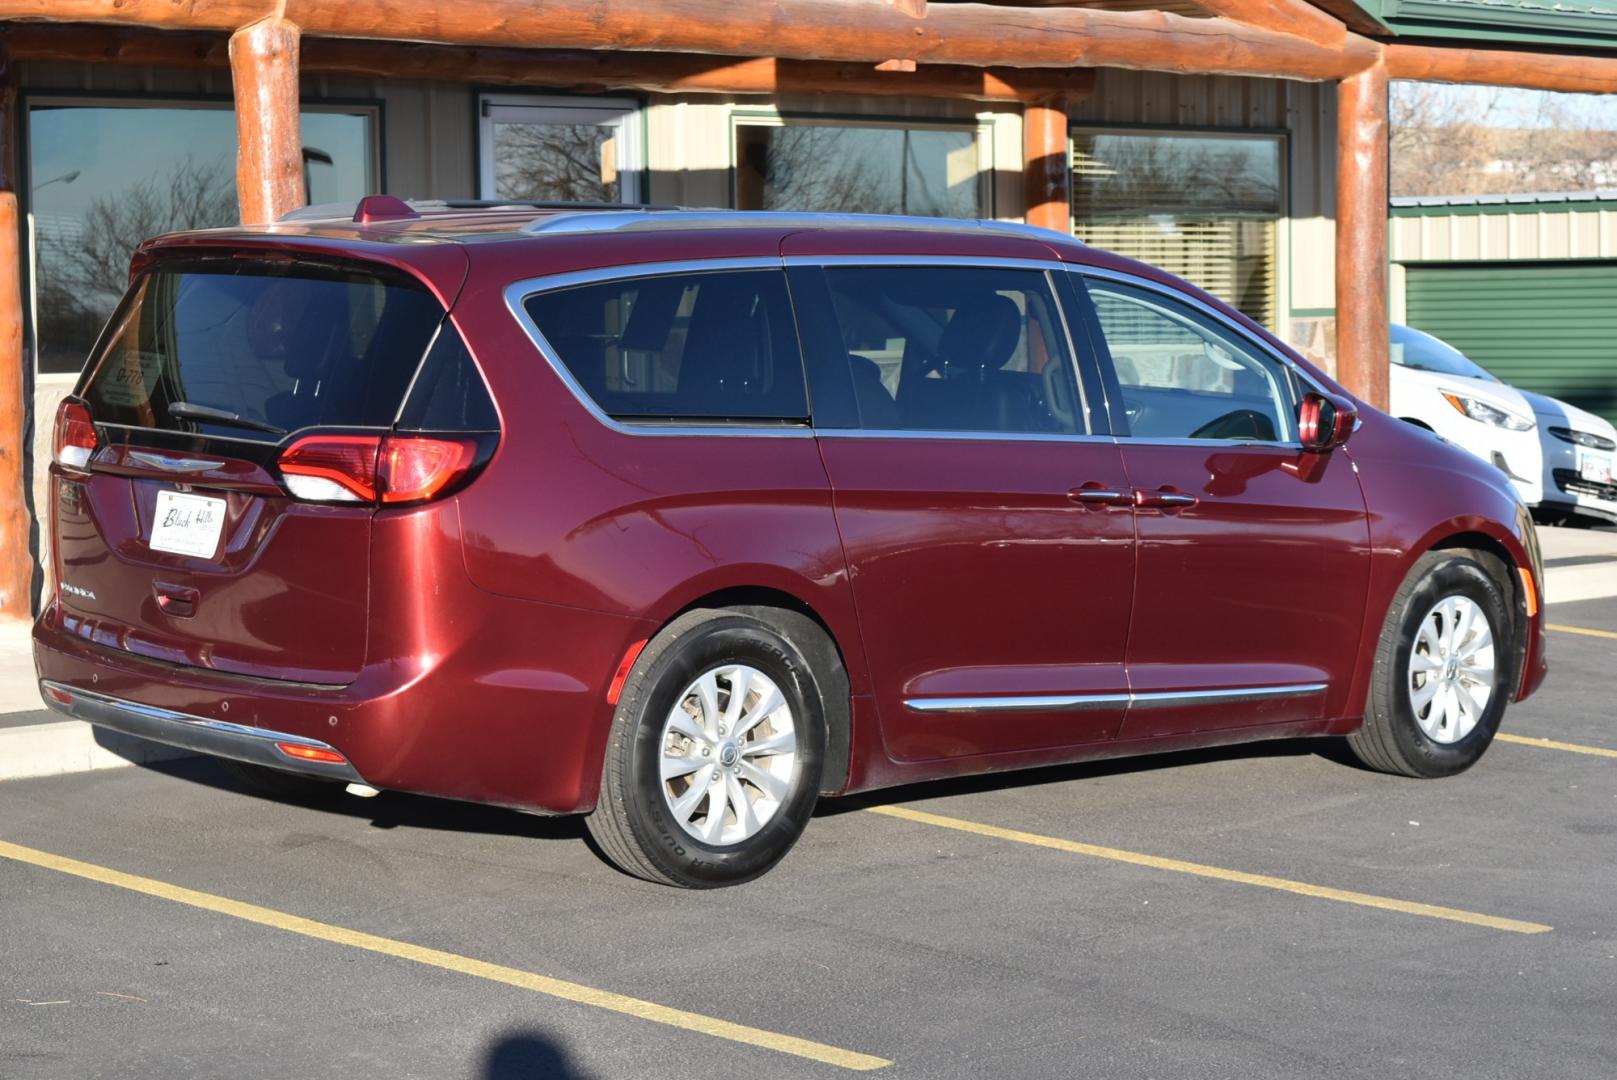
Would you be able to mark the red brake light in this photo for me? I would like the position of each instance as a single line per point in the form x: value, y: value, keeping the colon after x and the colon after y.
x: 332, y: 468
x: 74, y: 440
x: 368, y: 468
x: 416, y: 468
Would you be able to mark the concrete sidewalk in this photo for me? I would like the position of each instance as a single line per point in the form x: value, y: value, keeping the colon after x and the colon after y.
x: 1579, y: 564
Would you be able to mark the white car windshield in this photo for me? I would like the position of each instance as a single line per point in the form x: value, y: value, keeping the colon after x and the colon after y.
x: 1417, y: 349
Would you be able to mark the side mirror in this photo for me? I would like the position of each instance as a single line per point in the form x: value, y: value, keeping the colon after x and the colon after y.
x: 1324, y: 421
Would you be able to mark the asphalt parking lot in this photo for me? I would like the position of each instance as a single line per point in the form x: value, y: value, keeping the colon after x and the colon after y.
x: 1268, y: 911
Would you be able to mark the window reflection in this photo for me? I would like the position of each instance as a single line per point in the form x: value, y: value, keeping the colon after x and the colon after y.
x: 105, y: 177
x: 1203, y: 207
x: 889, y: 170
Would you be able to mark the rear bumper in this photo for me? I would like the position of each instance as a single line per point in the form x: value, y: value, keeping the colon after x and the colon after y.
x: 255, y: 745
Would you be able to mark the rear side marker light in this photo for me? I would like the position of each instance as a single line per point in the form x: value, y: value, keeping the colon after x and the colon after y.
x: 370, y: 468
x: 615, y: 691
x: 74, y: 440
x: 58, y: 695
x: 311, y: 753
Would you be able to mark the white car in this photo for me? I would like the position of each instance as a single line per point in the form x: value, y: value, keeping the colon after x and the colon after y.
x: 1579, y: 453
x: 1436, y: 387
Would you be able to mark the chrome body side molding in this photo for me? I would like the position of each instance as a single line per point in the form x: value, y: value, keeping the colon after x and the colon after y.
x: 1153, y: 699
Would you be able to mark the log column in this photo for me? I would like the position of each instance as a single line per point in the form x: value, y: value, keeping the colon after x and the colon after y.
x: 16, y: 561
x: 1046, y: 165
x: 1362, y: 349
x: 269, y: 144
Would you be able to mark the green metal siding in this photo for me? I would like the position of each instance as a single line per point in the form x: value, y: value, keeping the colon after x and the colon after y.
x: 1549, y: 327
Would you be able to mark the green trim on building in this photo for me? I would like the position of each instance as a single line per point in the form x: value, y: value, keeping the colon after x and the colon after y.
x: 1571, y: 206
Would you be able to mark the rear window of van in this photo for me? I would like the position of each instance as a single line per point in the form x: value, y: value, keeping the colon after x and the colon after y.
x: 275, y: 346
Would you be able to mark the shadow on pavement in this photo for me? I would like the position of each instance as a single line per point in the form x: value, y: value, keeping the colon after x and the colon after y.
x: 528, y: 1055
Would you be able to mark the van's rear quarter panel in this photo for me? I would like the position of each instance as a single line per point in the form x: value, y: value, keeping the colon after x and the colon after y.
x: 573, y: 512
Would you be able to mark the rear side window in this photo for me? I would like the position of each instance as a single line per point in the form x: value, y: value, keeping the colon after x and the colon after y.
x: 955, y: 348
x: 254, y: 350
x: 713, y: 346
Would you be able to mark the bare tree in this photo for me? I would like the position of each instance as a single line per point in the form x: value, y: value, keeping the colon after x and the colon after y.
x: 1485, y: 140
x: 83, y: 271
x: 553, y: 163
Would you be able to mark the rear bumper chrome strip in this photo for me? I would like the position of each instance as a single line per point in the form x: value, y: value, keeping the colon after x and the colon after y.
x: 1152, y: 699
x: 216, y: 737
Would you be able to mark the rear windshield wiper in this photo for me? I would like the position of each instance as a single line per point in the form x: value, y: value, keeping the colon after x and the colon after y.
x: 184, y: 410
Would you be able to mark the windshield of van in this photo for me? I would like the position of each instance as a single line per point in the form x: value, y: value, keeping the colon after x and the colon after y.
x: 1417, y: 349
x: 253, y: 349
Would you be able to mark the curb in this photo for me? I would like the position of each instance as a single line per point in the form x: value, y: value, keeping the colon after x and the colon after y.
x: 58, y: 747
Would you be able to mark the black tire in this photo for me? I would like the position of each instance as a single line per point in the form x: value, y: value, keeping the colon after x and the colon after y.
x: 1391, y: 739
x: 290, y: 787
x: 633, y: 823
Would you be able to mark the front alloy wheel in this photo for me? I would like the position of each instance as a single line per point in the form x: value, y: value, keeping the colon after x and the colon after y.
x: 1451, y: 669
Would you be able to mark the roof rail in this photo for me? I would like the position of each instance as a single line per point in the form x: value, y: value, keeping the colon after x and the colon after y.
x: 337, y: 211
x: 655, y: 217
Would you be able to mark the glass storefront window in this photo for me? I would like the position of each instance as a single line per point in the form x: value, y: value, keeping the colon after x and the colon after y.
x: 579, y: 150
x: 928, y: 171
x: 103, y: 177
x: 1202, y: 206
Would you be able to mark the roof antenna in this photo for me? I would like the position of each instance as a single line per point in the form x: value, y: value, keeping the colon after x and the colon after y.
x: 383, y: 208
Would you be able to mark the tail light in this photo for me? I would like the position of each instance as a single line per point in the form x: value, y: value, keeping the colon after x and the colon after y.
x: 391, y: 469
x: 74, y: 441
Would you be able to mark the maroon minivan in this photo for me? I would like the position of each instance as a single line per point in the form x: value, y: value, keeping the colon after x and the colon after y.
x: 682, y: 519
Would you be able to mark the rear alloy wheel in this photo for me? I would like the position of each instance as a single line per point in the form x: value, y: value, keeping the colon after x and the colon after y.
x: 714, y: 758
x: 729, y: 753
x: 1442, y: 669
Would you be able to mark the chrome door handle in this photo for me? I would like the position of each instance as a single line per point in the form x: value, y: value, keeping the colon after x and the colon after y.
x: 1164, y: 498
x: 1093, y: 494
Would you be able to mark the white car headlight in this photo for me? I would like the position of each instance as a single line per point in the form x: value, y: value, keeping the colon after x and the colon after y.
x: 1488, y: 414
x: 1583, y: 438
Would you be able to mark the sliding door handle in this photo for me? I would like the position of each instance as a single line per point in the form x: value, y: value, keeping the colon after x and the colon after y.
x: 1164, y: 498
x: 1096, y: 494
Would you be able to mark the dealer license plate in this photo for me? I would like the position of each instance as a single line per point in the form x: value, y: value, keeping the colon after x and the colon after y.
x: 187, y: 524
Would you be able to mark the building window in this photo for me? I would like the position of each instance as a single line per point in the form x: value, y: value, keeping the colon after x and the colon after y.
x: 931, y: 170
x: 105, y: 175
x: 561, y: 149
x: 1202, y: 206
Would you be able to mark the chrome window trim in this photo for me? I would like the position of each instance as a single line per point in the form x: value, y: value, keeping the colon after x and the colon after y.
x: 518, y: 292
x: 1131, y: 699
x: 958, y: 436
x: 1224, y: 323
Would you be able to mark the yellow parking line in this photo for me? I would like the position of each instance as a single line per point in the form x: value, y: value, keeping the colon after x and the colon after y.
x: 1264, y: 881
x: 1584, y: 630
x: 1551, y: 744
x: 527, y: 980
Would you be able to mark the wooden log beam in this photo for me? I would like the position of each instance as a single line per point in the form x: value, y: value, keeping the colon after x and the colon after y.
x: 1362, y: 348
x: 1046, y: 165
x: 577, y: 69
x: 269, y: 143
x: 1504, y: 67
x: 16, y: 559
x: 856, y: 31
x: 1296, y: 17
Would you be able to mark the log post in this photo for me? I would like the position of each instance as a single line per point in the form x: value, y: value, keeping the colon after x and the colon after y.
x: 16, y: 561
x: 269, y: 144
x: 1362, y: 349
x: 1046, y: 164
